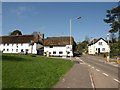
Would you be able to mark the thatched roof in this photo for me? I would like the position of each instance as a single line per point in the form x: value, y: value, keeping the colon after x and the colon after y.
x: 16, y: 39
x: 58, y: 41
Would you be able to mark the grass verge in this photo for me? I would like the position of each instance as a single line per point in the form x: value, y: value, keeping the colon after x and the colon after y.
x: 25, y: 71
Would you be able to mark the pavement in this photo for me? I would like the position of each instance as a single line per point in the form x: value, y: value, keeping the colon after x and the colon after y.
x: 112, y: 61
x: 77, y: 77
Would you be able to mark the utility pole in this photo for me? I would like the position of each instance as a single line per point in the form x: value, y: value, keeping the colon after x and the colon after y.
x: 70, y: 36
x: 108, y: 57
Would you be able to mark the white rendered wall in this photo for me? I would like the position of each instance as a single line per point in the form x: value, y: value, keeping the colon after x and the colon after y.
x: 16, y: 48
x: 58, y: 49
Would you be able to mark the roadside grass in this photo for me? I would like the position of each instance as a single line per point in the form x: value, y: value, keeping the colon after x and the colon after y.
x: 25, y: 71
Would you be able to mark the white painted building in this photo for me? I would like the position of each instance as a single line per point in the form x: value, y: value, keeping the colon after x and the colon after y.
x: 98, y: 46
x: 18, y: 44
x: 58, y: 46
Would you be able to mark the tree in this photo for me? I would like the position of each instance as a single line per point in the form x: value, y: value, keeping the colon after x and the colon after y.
x: 82, y: 46
x: 15, y: 32
x: 113, y: 18
x: 113, y: 38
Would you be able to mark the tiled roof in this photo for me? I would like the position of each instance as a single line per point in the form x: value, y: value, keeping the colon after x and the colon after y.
x: 58, y: 41
x: 16, y: 39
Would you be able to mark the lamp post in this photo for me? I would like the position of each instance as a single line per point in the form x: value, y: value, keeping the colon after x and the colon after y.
x: 71, y: 35
x: 93, y: 47
x: 108, y: 56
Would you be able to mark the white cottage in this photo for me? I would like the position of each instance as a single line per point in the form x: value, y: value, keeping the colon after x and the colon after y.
x: 98, y: 46
x: 58, y: 46
x: 18, y: 44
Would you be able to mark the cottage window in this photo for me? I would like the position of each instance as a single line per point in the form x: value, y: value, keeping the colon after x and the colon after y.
x: 60, y: 52
x: 100, y: 43
x: 68, y: 52
x: 22, y: 50
x: 103, y: 49
x: 67, y: 47
x: 51, y: 46
x: 54, y: 52
x: 7, y: 49
x: 12, y: 44
x: 12, y: 49
x: 16, y: 50
x: 96, y: 49
x: 4, y: 44
x: 7, y: 44
x: 17, y: 45
x: 21, y: 44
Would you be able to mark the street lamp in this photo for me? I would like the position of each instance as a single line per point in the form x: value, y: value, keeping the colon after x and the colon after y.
x: 108, y: 56
x: 71, y: 35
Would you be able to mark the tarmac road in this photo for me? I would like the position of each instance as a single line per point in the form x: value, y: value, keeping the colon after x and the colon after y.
x: 104, y: 75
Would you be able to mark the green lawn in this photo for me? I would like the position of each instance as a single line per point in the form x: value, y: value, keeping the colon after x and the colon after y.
x: 25, y: 71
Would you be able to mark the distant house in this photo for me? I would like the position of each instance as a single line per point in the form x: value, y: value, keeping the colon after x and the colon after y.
x: 19, y: 44
x: 58, y: 46
x: 98, y: 46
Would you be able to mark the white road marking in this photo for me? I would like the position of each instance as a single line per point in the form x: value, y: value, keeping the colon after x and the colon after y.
x: 89, y: 65
x: 80, y: 60
x: 116, y: 80
x: 97, y: 70
x: 105, y: 74
x: 92, y: 82
x: 93, y: 67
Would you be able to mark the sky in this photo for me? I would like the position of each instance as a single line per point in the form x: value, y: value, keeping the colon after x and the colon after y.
x: 53, y: 18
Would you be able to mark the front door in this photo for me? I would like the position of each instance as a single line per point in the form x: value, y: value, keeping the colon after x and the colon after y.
x: 98, y: 50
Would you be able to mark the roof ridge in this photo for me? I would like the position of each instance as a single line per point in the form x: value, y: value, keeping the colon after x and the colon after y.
x: 16, y: 35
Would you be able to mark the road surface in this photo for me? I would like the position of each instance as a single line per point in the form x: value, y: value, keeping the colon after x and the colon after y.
x: 104, y: 75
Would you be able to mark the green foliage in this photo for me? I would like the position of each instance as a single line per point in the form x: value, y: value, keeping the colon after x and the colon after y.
x: 16, y: 32
x: 24, y: 71
x: 114, y: 50
x: 113, y: 18
x: 82, y: 46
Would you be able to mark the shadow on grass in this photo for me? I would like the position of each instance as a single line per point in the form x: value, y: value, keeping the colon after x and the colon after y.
x: 13, y: 58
